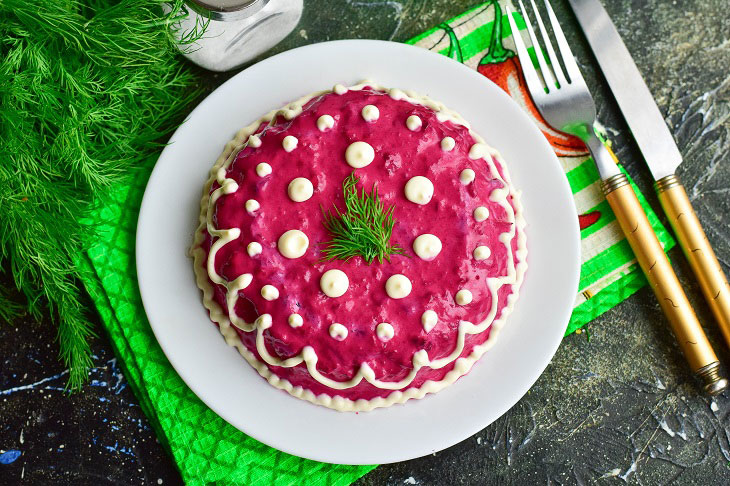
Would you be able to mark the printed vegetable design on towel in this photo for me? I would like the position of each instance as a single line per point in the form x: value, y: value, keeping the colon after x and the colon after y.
x: 503, y: 68
x: 588, y: 219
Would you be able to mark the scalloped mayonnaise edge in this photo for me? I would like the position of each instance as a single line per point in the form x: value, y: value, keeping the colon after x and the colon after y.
x: 203, y: 266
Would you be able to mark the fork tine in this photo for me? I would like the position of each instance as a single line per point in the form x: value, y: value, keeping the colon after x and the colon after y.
x: 544, y: 69
x: 566, y: 54
x: 528, y: 70
x: 549, y: 46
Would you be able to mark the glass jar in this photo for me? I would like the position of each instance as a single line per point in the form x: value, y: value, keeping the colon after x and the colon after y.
x: 237, y: 30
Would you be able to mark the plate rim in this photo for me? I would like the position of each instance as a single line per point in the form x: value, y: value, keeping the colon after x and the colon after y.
x: 158, y: 169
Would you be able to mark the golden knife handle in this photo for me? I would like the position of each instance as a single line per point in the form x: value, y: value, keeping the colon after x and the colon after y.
x: 697, y: 249
x: 661, y: 276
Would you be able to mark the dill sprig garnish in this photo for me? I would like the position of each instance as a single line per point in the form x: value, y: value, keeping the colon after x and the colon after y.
x: 364, y: 228
x: 88, y: 91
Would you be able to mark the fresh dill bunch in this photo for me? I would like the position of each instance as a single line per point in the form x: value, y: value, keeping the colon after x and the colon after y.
x: 364, y: 228
x: 88, y: 91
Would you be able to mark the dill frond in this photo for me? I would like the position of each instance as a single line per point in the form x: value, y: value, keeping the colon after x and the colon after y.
x: 88, y: 91
x: 364, y: 229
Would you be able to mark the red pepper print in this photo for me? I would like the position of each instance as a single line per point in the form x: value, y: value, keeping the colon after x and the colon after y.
x: 503, y: 68
x: 588, y: 219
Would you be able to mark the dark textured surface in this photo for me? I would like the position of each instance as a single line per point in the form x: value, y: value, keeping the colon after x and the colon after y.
x: 618, y: 407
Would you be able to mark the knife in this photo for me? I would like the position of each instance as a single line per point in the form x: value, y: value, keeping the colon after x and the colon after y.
x: 658, y: 149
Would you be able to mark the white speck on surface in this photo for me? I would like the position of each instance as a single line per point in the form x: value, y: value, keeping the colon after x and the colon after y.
x: 665, y: 427
x: 410, y: 480
x: 630, y: 470
x: 611, y: 474
x: 713, y: 407
x: 479, y: 440
x: 303, y: 33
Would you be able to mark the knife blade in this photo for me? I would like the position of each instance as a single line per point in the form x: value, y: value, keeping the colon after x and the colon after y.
x: 659, y: 150
x: 633, y: 96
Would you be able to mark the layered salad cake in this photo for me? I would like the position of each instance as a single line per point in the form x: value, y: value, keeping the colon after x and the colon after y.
x: 360, y: 246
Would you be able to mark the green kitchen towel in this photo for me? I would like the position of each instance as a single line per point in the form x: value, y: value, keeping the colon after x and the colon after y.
x: 205, y: 447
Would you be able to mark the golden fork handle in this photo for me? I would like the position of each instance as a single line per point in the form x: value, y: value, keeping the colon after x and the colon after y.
x: 697, y: 249
x: 650, y: 255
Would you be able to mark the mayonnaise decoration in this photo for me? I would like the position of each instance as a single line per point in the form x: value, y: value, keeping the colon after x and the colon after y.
x: 295, y: 320
x: 419, y: 190
x: 447, y: 144
x: 269, y: 292
x: 263, y: 169
x: 467, y: 176
x: 413, y: 123
x: 398, y: 286
x: 427, y: 246
x: 293, y: 244
x: 481, y: 213
x: 429, y: 320
x: 338, y: 331
x: 359, y: 154
x: 325, y: 122
x: 463, y: 297
x: 482, y: 252
x: 300, y: 189
x: 289, y: 143
x: 252, y: 205
x: 384, y: 331
x: 370, y: 113
x: 254, y: 248
x: 334, y: 283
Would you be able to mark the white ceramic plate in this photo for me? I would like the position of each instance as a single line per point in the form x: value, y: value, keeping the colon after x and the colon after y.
x: 226, y: 382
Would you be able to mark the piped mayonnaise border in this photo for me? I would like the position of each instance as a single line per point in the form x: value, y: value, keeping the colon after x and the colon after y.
x: 204, y: 270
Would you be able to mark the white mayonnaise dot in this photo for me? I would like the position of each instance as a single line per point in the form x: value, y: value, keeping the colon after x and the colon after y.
x: 252, y: 205
x: 269, y: 292
x: 478, y: 151
x: 427, y: 246
x: 419, y: 190
x: 429, y: 320
x: 289, y: 143
x: 334, y: 283
x: 370, y: 113
x: 293, y: 244
x: 359, y: 154
x: 300, y: 189
x: 254, y: 141
x: 339, y: 89
x: 396, y: 94
x: 254, y: 248
x: 447, y: 144
x: 385, y: 331
x: 413, y: 123
x: 481, y: 213
x: 263, y: 169
x: 463, y: 297
x: 467, y: 176
x: 295, y: 320
x: 398, y: 286
x: 482, y: 252
x: 338, y: 331
x: 325, y: 122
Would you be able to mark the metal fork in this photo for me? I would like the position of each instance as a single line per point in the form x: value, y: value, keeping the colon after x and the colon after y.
x: 564, y: 101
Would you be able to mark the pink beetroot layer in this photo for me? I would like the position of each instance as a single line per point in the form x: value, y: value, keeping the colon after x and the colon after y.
x: 399, y: 155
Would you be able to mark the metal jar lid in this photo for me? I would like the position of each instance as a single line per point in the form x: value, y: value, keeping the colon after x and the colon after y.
x: 226, y: 10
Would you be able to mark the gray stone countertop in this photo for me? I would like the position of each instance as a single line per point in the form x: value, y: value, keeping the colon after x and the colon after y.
x: 617, y: 404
